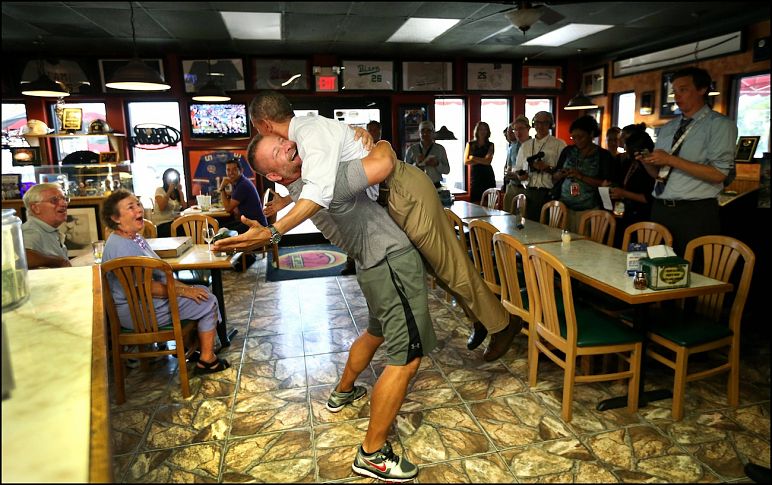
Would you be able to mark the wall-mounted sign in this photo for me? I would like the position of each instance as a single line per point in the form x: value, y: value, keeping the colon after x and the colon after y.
x: 368, y: 75
x: 152, y: 136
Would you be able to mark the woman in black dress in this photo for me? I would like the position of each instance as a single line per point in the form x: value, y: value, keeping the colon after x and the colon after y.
x: 479, y: 154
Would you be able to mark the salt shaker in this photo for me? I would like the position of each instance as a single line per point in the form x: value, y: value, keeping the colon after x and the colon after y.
x: 640, y: 282
x: 565, y: 238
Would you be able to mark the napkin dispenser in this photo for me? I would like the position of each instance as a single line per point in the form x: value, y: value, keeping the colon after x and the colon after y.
x: 170, y: 247
x: 666, y: 273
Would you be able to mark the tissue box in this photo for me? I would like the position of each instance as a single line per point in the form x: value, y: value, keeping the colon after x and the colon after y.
x: 635, y: 251
x: 666, y: 273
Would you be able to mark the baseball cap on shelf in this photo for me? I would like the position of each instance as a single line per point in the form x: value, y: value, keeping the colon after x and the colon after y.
x: 99, y: 127
x: 35, y: 127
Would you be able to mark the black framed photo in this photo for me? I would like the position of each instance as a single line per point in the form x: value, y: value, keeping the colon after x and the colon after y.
x: 25, y: 157
x: 226, y: 73
x: 108, y: 157
x: 746, y: 148
x: 667, y: 105
x: 11, y: 186
x: 80, y: 229
x: 107, y: 68
x: 647, y: 103
x: 594, y: 81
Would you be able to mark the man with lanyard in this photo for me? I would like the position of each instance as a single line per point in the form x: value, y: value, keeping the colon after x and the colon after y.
x: 516, y: 134
x: 536, y: 161
x: 691, y: 159
x: 427, y: 155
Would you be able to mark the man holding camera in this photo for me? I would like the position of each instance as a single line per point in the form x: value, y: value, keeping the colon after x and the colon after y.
x: 516, y: 134
x: 535, y: 163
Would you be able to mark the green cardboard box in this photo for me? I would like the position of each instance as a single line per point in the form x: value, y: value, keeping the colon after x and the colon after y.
x: 666, y: 273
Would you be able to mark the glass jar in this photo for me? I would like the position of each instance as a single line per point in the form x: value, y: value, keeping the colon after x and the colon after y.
x: 15, y: 287
x: 640, y: 282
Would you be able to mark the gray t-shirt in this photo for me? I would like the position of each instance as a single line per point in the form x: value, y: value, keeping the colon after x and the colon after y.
x: 39, y: 236
x: 354, y: 222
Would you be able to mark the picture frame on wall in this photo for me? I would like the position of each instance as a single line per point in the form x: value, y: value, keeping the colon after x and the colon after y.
x: 72, y: 119
x: 25, y: 157
x: 368, y: 75
x: 493, y: 76
x: 108, y: 157
x: 427, y: 76
x: 594, y: 81
x: 542, y: 77
x: 80, y: 229
x: 11, y: 186
x: 107, y: 68
x: 227, y: 73
x: 746, y: 148
x: 647, y: 103
x: 206, y: 168
x: 667, y: 105
x: 280, y: 74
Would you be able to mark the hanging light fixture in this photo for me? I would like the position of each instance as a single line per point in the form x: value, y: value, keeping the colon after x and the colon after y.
x: 211, y: 91
x: 713, y: 90
x: 445, y: 134
x: 136, y: 75
x: 580, y: 101
x: 43, y: 86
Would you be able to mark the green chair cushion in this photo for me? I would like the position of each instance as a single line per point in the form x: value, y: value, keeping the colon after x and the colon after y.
x: 595, y: 328
x: 685, y: 328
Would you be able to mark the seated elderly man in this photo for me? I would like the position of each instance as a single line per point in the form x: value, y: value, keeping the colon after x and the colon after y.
x: 46, y: 211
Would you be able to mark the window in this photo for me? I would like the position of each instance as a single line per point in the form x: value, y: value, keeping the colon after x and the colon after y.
x: 495, y: 111
x: 533, y: 106
x: 451, y: 113
x: 752, y: 109
x: 149, y: 165
x: 14, y: 117
x: 624, y: 111
x: 96, y: 144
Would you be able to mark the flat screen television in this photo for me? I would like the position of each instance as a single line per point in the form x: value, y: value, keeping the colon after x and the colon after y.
x: 219, y: 120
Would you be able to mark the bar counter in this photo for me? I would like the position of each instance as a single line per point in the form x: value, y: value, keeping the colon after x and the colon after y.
x: 56, y: 422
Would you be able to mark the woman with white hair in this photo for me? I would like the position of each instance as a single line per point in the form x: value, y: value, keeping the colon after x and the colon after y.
x: 428, y: 155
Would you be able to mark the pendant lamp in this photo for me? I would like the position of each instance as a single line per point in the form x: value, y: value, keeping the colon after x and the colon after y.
x: 211, y: 91
x: 445, y: 134
x: 136, y: 75
x: 580, y: 101
x: 43, y: 86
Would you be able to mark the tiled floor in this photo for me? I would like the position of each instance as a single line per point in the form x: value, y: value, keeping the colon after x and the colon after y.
x: 464, y: 420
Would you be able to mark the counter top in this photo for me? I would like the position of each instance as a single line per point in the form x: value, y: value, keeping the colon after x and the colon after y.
x: 55, y: 424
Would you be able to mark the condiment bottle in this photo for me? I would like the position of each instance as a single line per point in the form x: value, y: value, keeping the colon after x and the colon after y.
x: 565, y: 238
x: 640, y: 282
x: 14, y: 264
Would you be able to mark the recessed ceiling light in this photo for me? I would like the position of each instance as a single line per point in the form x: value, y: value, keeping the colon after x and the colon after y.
x: 567, y: 34
x: 253, y: 25
x: 422, y: 31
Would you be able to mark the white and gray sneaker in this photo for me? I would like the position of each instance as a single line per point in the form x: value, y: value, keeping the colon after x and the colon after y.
x: 384, y: 465
x: 339, y: 399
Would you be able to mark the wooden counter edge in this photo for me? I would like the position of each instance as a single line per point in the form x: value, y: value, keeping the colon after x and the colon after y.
x: 100, y: 453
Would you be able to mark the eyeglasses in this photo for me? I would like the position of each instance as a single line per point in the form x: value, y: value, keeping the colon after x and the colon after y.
x: 56, y: 200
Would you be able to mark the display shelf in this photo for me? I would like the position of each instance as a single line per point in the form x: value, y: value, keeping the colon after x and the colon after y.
x: 117, y: 142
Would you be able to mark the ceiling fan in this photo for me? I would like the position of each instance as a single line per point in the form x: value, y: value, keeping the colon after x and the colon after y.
x: 523, y: 16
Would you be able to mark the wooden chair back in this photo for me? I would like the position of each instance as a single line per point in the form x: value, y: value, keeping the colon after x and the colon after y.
x: 720, y: 259
x: 554, y: 214
x: 458, y: 227
x: 512, y: 259
x: 481, y: 239
x: 650, y: 233
x: 491, y: 198
x: 549, y: 282
x: 134, y: 275
x: 192, y: 225
x: 598, y: 225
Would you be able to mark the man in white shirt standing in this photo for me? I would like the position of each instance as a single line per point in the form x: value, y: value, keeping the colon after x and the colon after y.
x: 517, y: 134
x: 536, y: 161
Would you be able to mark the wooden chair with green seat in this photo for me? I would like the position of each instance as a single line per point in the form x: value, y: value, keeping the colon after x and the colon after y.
x: 512, y: 258
x: 575, y: 331
x: 598, y: 225
x: 481, y: 239
x: 554, y: 214
x: 192, y: 226
x: 135, y: 274
x: 712, y: 325
x: 458, y: 229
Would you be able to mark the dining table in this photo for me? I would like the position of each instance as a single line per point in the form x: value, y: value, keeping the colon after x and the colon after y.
x: 525, y: 230
x: 196, y: 257
x: 605, y: 269
x: 214, y: 211
x: 468, y: 210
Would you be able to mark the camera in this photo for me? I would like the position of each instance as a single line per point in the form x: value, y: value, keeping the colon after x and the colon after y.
x: 534, y: 158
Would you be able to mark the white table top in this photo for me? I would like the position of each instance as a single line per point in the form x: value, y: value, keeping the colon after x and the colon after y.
x: 532, y: 232
x: 467, y: 210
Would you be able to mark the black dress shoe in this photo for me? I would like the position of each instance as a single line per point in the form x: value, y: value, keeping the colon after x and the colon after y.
x: 479, y: 332
x: 501, y: 341
x: 757, y: 473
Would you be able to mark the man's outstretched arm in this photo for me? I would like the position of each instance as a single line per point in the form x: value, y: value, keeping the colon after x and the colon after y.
x: 379, y: 163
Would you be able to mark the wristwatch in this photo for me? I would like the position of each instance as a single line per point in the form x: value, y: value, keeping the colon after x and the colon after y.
x: 275, y: 235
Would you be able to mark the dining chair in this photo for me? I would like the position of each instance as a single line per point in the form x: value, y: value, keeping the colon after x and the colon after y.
x: 192, y: 226
x: 598, y: 225
x: 709, y: 326
x: 575, y: 331
x: 135, y: 275
x: 458, y: 227
x: 647, y: 232
x: 554, y: 214
x: 481, y: 239
x: 149, y: 230
x: 512, y: 259
x: 491, y: 198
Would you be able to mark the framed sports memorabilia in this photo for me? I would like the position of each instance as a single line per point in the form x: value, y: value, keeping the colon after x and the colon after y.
x: 542, y: 77
x: 427, y: 76
x: 227, y: 73
x: 488, y: 76
x: 282, y: 74
x: 368, y: 75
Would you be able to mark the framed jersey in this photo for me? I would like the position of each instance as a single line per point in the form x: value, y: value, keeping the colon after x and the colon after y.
x: 206, y: 168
